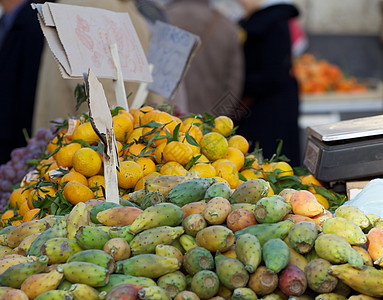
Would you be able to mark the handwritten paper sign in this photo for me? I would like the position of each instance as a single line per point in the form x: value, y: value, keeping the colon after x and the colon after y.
x: 171, y: 50
x: 80, y: 38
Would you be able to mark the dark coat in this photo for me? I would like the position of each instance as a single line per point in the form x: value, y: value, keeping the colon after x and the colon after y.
x: 19, y: 65
x: 270, y: 91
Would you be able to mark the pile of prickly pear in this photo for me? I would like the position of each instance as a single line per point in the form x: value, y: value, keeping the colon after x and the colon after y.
x: 196, y: 238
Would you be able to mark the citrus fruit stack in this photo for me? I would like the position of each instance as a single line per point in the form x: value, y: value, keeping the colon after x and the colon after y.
x: 150, y: 143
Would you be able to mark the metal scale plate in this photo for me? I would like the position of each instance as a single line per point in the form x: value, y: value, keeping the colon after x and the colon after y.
x: 345, y: 150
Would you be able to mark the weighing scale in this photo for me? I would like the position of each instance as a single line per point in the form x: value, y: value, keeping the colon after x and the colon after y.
x: 345, y: 150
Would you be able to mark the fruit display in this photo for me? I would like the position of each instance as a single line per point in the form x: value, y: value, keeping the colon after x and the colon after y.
x: 186, y: 247
x: 320, y: 76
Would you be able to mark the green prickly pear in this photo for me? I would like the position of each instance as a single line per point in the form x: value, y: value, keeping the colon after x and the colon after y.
x: 5, y: 250
x: 146, y: 241
x: 231, y: 272
x: 163, y: 214
x: 137, y: 196
x: 78, y: 217
x: 95, y: 256
x: 193, y: 223
x: 58, y: 230
x: 218, y: 189
x: 247, y: 206
x: 243, y: 294
x: 153, y: 293
x: 170, y: 251
x: 215, y: 238
x: 85, y: 272
x: 249, y: 251
x: 152, y: 198
x: 198, y: 259
x: 354, y: 214
x: 59, y: 249
x: 302, y: 236
x: 15, y: 275
x: 16, y: 236
x: 318, y: 279
x: 330, y: 296
x: 189, y: 191
x: 205, y: 284
x: 186, y: 295
x: 119, y: 279
x: 276, y: 255
x: 250, y: 192
x: 65, y: 285
x: 37, y: 284
x: 345, y: 229
x: 121, y: 232
x: 148, y: 265
x: 90, y: 237
x: 83, y: 291
x: 265, y: 232
x: 337, y: 250
x: 55, y: 295
x: 173, y: 283
x: 164, y: 184
x: 271, y: 209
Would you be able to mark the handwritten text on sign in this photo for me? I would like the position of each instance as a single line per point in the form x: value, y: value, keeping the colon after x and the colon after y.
x: 169, y: 51
x: 86, y: 34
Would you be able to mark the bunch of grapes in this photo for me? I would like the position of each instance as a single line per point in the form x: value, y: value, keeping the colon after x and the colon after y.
x: 14, y: 170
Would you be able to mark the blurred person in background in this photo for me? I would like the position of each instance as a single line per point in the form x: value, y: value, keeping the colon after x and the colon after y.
x: 21, y: 43
x: 270, y: 90
x: 217, y: 68
x: 55, y: 95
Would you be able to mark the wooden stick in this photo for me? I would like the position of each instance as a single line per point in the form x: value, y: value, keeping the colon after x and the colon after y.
x: 110, y: 174
x: 119, y: 86
x: 142, y: 92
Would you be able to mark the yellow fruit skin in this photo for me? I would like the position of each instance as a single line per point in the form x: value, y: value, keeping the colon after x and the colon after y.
x: 78, y: 217
x: 297, y: 259
x: 75, y: 192
x: 367, y: 281
x: 16, y: 236
x: 8, y: 293
x: 11, y: 260
x: 84, y: 291
x: 40, y: 283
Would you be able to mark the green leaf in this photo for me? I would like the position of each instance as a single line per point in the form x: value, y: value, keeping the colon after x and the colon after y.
x: 191, y: 140
x: 80, y: 95
x: 300, y: 171
x: 81, y: 142
x: 152, y: 124
x: 114, y: 111
x: 248, y: 163
x: 243, y: 178
x: 33, y: 162
x: 192, y: 162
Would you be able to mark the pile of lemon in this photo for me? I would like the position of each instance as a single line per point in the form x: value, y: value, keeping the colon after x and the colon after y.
x: 150, y: 143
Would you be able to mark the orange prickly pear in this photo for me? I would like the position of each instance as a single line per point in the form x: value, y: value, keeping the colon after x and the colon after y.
x: 217, y: 210
x: 193, y: 208
x: 16, y: 236
x: 263, y: 282
x: 375, y: 245
x: 12, y: 294
x: 367, y: 260
x: 215, y: 238
x: 321, y: 218
x: 118, y: 216
x: 304, y: 203
x: 118, y: 248
x: 367, y: 280
x: 40, y: 283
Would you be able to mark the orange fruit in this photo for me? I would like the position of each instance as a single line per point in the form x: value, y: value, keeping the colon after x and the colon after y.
x: 168, y: 165
x: 239, y: 142
x: 322, y: 200
x: 284, y: 167
x: 7, y: 215
x: 73, y: 175
x: 174, y: 170
x: 160, y: 117
x: 87, y: 162
x: 38, y: 194
x: 204, y: 170
x: 160, y: 139
x: 135, y: 135
x: 147, y: 165
x: 138, y: 114
x: 196, y: 149
x: 138, y: 149
x: 193, y: 131
x: 123, y: 127
x: 65, y: 154
x: 18, y: 197
x: 76, y: 192
x: 126, y: 114
x: 214, y: 145
x: 251, y: 173
x: 193, y: 120
x: 23, y: 208
x: 141, y: 182
x: 97, y: 181
x: 86, y: 133
x: 235, y: 156
x: 17, y: 222
x: 228, y: 171
x: 223, y: 125
x: 309, y: 180
x: 130, y: 172
x: 31, y: 215
x: 46, y: 165
x: 178, y: 152
x: 158, y: 153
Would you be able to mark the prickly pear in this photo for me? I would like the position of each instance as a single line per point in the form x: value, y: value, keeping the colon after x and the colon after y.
x: 84, y: 291
x: 59, y: 249
x: 170, y: 251
x: 118, y: 216
x: 78, y: 217
x: 152, y: 198
x: 250, y: 192
x: 205, y: 284
x: 292, y: 281
x: 354, y: 214
x: 118, y: 279
x: 94, y: 256
x: 302, y: 236
x: 276, y: 255
x: 318, y: 278
x: 55, y: 295
x: 231, y: 272
x: 239, y: 219
x: 215, y: 238
x: 243, y: 294
x: 118, y: 248
x: 85, y: 272
x: 249, y: 251
x: 271, y: 209
x: 217, y: 210
x: 90, y: 237
x: 20, y: 232
x: 345, y: 229
x: 198, y: 259
x: 173, y: 283
x: 101, y: 207
x: 37, y: 284
x: 164, y: 184
x: 121, y: 232
x: 153, y: 293
x: 218, y: 189
x: 193, y: 223
x: 262, y: 281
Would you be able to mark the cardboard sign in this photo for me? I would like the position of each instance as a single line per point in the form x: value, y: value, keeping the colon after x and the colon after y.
x: 80, y: 38
x: 171, y: 51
